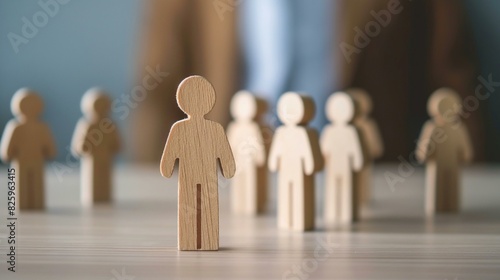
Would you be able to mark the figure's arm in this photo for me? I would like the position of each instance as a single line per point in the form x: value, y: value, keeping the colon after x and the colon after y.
x: 78, y: 147
x: 8, y: 142
x: 467, y: 150
x: 275, y: 152
x: 50, y: 150
x: 356, y: 152
x: 170, y: 153
x: 422, y: 151
x: 225, y: 154
x: 311, y: 152
x: 324, y: 142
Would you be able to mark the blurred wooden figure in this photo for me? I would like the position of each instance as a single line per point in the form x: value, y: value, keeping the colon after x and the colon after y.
x: 27, y: 142
x: 371, y: 142
x: 96, y: 141
x: 295, y: 154
x: 249, y: 185
x: 342, y: 151
x: 199, y: 144
x: 444, y: 146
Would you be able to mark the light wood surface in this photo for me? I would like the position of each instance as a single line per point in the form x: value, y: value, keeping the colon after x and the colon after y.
x: 138, y: 233
x: 27, y: 143
x: 199, y: 146
x: 296, y: 157
x: 341, y: 148
x: 96, y: 141
x: 444, y: 145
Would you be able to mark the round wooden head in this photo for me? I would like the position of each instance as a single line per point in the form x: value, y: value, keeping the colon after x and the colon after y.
x: 196, y: 96
x: 362, y: 101
x: 340, y: 108
x: 294, y: 109
x: 244, y: 106
x: 95, y: 103
x: 26, y: 104
x: 449, y: 108
x: 435, y: 99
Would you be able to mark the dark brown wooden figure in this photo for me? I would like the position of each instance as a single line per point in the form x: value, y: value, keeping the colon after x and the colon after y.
x: 444, y: 146
x: 27, y: 142
x: 199, y: 144
x: 249, y: 185
x: 96, y: 141
x: 371, y: 142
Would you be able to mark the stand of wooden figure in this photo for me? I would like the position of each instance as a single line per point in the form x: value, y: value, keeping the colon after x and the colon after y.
x: 342, y: 152
x: 198, y: 144
x: 444, y: 146
x: 371, y: 142
x: 296, y: 155
x: 249, y: 185
x: 96, y: 141
x: 28, y: 142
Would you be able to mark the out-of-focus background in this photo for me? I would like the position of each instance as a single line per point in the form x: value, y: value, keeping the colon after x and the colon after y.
x: 399, y: 51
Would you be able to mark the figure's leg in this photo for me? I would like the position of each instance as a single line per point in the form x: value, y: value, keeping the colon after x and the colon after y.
x: 87, y: 181
x: 362, y: 184
x: 308, y: 203
x: 38, y: 187
x: 284, y: 202
x: 102, y: 179
x: 441, y: 187
x: 452, y: 190
x: 251, y: 190
x: 262, y: 189
x: 430, y: 189
x: 209, y: 206
x: 187, y: 215
x: 22, y: 187
x: 331, y: 201
x: 346, y: 211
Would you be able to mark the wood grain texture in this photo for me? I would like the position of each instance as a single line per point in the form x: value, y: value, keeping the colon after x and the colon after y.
x: 295, y: 155
x: 370, y: 139
x: 27, y: 142
x: 342, y: 151
x: 249, y: 185
x: 444, y: 145
x: 199, y: 145
x: 137, y: 235
x: 96, y: 141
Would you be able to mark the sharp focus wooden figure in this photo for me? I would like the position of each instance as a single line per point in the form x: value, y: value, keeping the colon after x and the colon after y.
x: 199, y: 145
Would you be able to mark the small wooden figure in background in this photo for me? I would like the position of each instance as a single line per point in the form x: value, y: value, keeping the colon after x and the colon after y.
x: 199, y: 144
x: 342, y: 151
x: 27, y: 142
x: 249, y: 185
x: 295, y: 154
x: 371, y: 142
x: 96, y: 141
x: 444, y: 146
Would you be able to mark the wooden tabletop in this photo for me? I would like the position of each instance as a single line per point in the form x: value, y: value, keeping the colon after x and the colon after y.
x: 135, y: 237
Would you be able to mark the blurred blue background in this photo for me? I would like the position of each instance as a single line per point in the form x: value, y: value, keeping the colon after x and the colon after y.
x: 85, y: 44
x: 94, y: 43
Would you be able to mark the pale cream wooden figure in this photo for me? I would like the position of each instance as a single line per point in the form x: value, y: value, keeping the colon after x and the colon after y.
x: 295, y: 154
x: 96, y: 141
x: 342, y: 151
x: 444, y: 146
x: 27, y: 142
x: 249, y: 189
x: 371, y: 142
x: 200, y: 145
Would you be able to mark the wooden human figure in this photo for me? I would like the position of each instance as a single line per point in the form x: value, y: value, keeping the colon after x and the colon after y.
x: 96, y: 141
x: 27, y: 142
x: 343, y: 155
x: 249, y: 185
x: 444, y: 146
x: 199, y: 144
x: 295, y: 154
x: 371, y: 142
